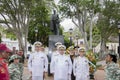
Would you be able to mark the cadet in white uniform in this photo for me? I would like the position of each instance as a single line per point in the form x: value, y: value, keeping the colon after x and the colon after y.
x: 55, y: 53
x: 81, y: 66
x: 38, y: 63
x: 61, y: 65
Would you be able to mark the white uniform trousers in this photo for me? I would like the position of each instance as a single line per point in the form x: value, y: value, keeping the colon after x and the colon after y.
x: 37, y: 77
x: 82, y: 77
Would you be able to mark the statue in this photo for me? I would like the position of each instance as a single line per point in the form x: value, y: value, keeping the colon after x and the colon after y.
x: 55, y: 23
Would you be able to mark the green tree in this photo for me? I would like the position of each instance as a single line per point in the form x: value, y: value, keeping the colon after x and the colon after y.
x: 41, y: 13
x: 80, y: 11
x: 15, y: 15
x: 109, y: 16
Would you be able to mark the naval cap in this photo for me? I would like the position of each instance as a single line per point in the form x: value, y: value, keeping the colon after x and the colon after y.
x: 37, y: 43
x: 58, y: 43
x: 81, y: 49
x: 61, y: 47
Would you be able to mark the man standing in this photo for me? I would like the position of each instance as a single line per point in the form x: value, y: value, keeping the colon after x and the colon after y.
x: 38, y: 63
x: 55, y: 53
x: 81, y: 66
x: 4, y: 53
x: 61, y: 65
x: 71, y: 52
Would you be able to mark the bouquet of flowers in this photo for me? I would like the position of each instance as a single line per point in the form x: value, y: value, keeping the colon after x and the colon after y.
x: 92, y: 57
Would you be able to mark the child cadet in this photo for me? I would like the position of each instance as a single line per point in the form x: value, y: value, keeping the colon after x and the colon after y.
x: 61, y: 65
x: 14, y: 68
x: 38, y: 63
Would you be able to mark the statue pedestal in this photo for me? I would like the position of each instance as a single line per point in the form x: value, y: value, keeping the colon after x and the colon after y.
x: 53, y: 39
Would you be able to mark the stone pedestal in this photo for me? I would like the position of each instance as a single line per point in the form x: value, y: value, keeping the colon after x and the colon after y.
x: 53, y: 39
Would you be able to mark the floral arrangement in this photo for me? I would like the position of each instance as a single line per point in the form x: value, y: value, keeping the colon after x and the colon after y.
x: 92, y: 57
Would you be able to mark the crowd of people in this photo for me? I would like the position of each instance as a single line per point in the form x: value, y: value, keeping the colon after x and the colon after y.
x: 66, y: 64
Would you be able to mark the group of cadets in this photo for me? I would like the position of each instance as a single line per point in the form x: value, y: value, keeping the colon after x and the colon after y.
x: 63, y: 66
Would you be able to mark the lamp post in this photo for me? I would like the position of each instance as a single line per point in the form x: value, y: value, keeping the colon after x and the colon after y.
x: 36, y: 31
x: 119, y: 38
x: 77, y: 39
x: 70, y: 31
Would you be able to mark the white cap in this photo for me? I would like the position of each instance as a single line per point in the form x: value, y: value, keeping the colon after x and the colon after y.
x: 81, y: 49
x: 37, y: 43
x: 58, y: 43
x: 61, y: 47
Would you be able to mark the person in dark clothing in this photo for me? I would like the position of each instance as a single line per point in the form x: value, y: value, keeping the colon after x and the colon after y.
x: 71, y: 52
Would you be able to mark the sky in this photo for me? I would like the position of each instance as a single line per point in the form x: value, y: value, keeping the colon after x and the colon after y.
x: 66, y: 23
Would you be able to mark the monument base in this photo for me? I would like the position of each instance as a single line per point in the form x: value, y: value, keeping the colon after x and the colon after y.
x: 53, y: 39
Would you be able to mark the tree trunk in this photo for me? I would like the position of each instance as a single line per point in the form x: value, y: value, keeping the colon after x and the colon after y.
x: 25, y: 50
x: 81, y: 26
x: 102, y: 48
x: 91, y: 27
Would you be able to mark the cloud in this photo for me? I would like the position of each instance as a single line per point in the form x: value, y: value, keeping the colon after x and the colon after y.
x: 56, y: 1
x: 67, y: 24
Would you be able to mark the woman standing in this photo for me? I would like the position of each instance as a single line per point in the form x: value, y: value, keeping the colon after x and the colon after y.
x: 112, y: 69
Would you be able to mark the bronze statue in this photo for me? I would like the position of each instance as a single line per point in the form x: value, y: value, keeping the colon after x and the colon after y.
x: 55, y: 23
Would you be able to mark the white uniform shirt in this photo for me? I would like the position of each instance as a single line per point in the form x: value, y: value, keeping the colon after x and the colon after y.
x: 54, y: 54
x: 81, y: 68
x: 38, y: 63
x: 61, y: 66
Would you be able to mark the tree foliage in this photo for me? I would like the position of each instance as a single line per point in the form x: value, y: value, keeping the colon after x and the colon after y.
x: 83, y: 12
x: 80, y: 11
x: 19, y: 15
x: 109, y: 16
x: 41, y: 13
x: 16, y: 16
